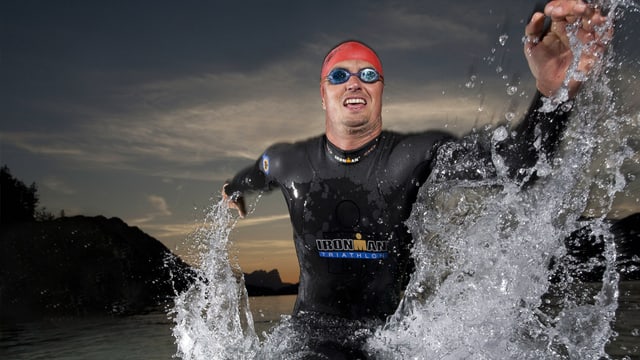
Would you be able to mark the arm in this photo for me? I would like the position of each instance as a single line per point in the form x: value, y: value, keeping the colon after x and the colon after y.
x: 538, y: 135
x: 263, y: 175
x: 249, y: 179
x: 551, y: 58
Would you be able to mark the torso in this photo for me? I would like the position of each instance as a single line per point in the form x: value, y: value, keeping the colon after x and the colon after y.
x: 348, y: 212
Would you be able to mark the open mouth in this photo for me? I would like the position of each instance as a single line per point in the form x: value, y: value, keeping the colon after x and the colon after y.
x: 354, y: 102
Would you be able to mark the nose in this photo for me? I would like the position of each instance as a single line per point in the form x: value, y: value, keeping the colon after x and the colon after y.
x: 353, y: 83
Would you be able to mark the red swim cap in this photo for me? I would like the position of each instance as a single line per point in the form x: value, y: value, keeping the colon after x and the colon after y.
x: 350, y: 50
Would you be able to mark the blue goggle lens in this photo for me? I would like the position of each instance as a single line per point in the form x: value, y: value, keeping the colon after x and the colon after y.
x: 340, y: 76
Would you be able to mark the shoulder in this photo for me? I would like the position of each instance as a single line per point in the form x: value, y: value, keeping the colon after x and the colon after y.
x: 416, y: 143
x: 422, y: 137
x: 292, y: 149
x: 281, y: 156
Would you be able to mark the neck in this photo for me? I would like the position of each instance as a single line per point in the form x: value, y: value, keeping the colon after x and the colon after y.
x: 348, y: 139
x: 351, y: 142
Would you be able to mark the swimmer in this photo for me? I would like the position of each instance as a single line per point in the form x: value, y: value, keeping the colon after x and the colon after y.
x: 340, y: 187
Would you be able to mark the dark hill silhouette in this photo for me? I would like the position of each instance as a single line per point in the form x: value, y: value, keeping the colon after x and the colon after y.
x: 94, y: 265
x: 261, y: 283
x: 84, y: 265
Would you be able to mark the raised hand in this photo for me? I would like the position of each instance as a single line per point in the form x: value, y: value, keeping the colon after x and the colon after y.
x: 549, y: 52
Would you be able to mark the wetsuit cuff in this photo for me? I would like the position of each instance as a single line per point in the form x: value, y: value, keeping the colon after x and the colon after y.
x: 549, y: 105
x: 229, y: 190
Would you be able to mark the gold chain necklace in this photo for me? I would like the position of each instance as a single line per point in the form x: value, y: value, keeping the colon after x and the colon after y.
x: 351, y: 160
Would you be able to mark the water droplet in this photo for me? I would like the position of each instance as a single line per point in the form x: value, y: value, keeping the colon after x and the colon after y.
x: 509, y: 116
x: 511, y: 90
x: 472, y: 82
x: 503, y: 39
x: 500, y: 134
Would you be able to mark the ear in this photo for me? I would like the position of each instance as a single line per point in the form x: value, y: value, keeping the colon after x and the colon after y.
x: 324, y: 106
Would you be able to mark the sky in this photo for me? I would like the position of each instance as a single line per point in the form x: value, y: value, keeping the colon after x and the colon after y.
x: 142, y: 109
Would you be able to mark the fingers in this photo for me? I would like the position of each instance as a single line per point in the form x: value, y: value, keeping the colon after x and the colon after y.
x: 239, y: 205
x: 557, y: 9
x: 549, y: 50
x: 536, y: 27
x: 587, y: 20
x: 589, y: 16
x: 234, y: 201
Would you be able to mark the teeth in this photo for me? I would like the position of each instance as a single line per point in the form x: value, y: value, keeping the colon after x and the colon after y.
x: 354, y: 101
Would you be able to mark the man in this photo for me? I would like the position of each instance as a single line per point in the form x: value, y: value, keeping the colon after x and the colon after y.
x: 349, y: 191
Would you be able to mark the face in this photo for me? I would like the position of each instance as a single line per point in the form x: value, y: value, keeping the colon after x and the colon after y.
x: 353, y: 107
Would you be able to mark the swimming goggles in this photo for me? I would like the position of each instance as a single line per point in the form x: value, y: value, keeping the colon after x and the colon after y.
x: 341, y: 76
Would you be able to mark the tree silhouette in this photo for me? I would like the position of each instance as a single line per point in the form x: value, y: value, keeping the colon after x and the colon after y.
x: 18, y: 201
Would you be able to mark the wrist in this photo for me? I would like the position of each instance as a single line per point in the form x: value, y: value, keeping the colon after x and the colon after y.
x: 563, y: 92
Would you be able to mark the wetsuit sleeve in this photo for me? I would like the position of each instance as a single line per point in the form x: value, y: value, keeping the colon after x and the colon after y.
x: 255, y: 177
x: 248, y: 179
x: 264, y: 174
x: 537, y: 135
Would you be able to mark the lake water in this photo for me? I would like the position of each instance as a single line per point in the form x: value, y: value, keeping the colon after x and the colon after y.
x: 149, y: 336
x: 133, y: 337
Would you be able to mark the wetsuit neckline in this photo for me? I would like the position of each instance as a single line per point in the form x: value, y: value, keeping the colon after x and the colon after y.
x: 353, y: 156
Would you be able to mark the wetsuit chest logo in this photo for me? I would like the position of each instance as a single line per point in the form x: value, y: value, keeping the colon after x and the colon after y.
x: 353, y: 247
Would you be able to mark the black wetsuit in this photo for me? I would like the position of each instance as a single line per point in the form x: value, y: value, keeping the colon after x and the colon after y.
x: 348, y: 209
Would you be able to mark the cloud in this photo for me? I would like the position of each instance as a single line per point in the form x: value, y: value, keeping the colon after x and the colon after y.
x: 185, y: 239
x: 261, y: 220
x: 48, y: 144
x: 159, y: 209
x: 55, y: 184
x: 404, y: 28
x: 160, y: 204
x: 428, y: 108
x: 187, y: 119
x: 170, y: 231
x: 231, y: 121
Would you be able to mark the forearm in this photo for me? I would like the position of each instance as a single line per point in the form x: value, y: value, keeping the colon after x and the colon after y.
x: 538, y: 135
x: 248, y: 179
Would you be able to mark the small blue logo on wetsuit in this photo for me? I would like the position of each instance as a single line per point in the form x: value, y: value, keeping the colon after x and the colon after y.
x: 357, y: 248
x: 265, y: 164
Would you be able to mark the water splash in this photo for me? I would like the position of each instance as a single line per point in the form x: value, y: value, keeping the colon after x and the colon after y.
x: 212, y: 318
x: 485, y: 251
x: 493, y: 277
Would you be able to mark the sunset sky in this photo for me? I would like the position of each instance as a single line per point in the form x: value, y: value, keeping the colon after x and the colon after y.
x: 142, y: 109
